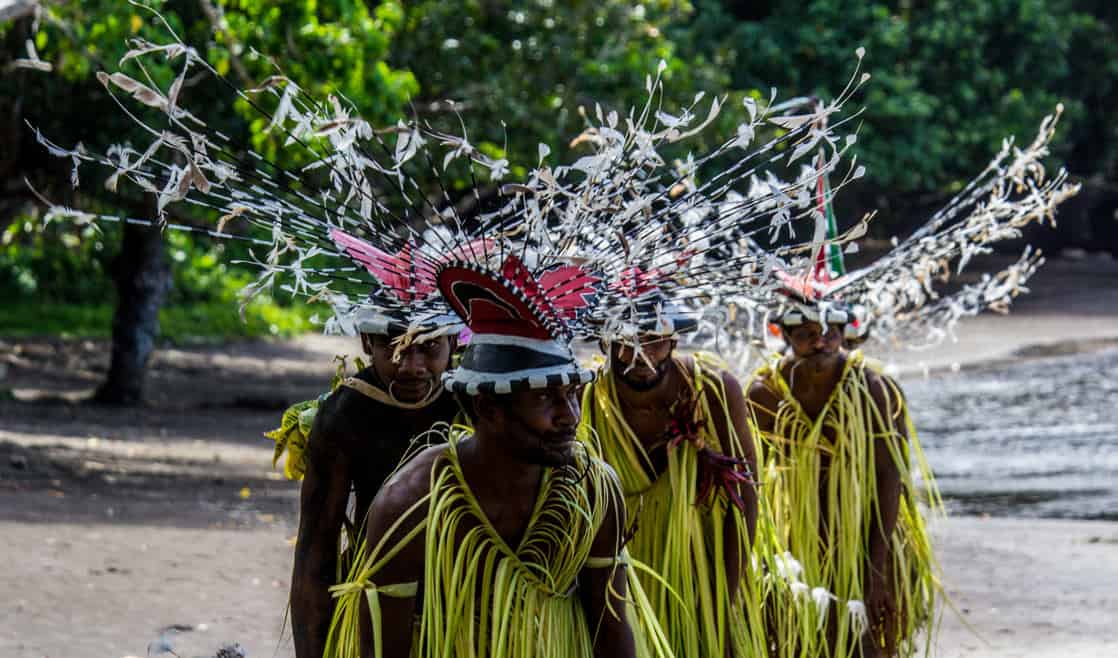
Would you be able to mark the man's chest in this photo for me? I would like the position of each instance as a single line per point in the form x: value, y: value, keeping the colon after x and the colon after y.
x: 649, y: 424
x: 812, y: 396
x: 650, y: 428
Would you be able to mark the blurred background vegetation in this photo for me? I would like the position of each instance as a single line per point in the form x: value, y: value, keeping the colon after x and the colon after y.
x: 951, y: 79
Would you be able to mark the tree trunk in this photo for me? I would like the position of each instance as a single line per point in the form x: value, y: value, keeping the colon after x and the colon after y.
x: 142, y: 279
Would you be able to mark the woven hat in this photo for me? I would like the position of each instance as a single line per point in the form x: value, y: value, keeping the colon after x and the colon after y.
x: 519, y: 324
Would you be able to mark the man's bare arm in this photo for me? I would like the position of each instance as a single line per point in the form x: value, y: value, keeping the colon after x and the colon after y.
x: 396, y: 512
x: 888, y: 458
x: 604, y: 589
x: 737, y: 554
x: 762, y: 403
x: 322, y: 506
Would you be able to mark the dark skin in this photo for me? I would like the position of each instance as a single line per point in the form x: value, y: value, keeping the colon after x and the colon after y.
x: 516, y: 437
x: 813, y: 367
x: 647, y: 387
x: 354, y: 445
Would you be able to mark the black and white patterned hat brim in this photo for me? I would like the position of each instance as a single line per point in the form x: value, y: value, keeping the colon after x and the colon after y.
x: 662, y: 328
x: 671, y: 325
x: 499, y: 364
x: 665, y: 320
x: 474, y: 382
x: 796, y: 314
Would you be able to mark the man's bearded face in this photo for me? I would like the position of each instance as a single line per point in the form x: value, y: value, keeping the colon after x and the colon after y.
x: 642, y: 371
x: 815, y: 343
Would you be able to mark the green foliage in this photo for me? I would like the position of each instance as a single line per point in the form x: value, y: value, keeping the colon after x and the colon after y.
x: 56, y: 280
x: 951, y: 78
x: 53, y: 263
x: 520, y: 73
x: 190, y: 324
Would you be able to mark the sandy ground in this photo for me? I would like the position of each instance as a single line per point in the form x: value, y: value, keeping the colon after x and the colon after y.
x: 1029, y: 588
x: 117, y: 523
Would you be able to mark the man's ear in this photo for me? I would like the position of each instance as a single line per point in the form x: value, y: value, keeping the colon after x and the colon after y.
x: 487, y: 408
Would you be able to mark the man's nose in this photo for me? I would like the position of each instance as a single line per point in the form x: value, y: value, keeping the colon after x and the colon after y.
x: 568, y: 413
x: 412, y: 363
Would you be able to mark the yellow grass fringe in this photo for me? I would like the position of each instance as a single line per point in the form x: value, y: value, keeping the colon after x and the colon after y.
x: 482, y: 598
x: 679, y: 541
x: 819, y: 580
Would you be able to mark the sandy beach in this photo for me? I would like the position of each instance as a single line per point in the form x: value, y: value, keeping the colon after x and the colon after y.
x: 118, y: 523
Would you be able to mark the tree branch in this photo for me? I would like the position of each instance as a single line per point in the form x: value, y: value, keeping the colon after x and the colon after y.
x: 214, y: 15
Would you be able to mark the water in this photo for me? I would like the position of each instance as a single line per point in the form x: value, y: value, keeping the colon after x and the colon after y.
x: 1036, y: 438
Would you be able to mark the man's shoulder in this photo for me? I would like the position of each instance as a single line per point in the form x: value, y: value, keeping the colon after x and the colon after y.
x: 882, y: 387
x: 598, y: 465
x: 761, y: 387
x: 713, y: 367
x: 343, y: 403
x: 411, y: 481
x: 341, y: 416
x: 598, y: 478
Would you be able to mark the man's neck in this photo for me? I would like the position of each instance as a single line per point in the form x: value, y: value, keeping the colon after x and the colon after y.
x: 384, y: 398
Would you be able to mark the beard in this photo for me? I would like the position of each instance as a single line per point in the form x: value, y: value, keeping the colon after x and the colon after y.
x: 549, y: 449
x: 640, y: 379
x: 821, y: 360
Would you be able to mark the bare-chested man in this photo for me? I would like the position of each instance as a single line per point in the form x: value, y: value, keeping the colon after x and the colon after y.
x: 675, y: 430
x: 836, y: 435
x: 506, y: 542
x: 360, y: 434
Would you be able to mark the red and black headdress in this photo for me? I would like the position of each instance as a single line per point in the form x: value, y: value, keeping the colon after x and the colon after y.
x: 521, y: 324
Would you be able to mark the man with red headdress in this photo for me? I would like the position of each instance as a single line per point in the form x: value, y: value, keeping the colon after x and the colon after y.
x: 506, y: 540
x: 346, y: 444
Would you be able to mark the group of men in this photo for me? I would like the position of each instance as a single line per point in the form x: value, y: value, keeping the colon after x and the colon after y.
x: 501, y: 500
x: 646, y: 509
